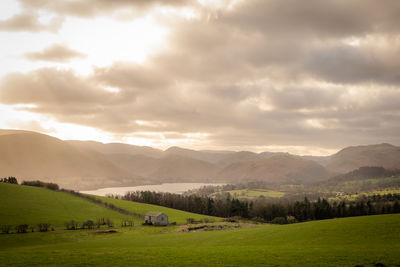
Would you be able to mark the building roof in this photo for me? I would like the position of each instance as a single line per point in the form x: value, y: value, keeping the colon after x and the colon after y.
x: 153, y: 213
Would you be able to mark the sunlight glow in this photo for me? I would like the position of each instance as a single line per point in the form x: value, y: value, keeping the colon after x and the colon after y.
x: 105, y: 41
x: 315, y: 123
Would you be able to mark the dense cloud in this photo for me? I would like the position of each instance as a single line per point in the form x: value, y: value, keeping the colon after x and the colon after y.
x: 29, y: 22
x: 54, y: 53
x: 91, y: 8
x: 306, y: 73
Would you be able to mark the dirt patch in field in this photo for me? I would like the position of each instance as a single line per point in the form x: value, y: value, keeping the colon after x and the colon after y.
x: 212, y: 227
x: 104, y: 232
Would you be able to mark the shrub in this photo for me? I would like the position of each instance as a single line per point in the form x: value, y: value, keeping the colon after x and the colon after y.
x: 44, y: 227
x: 208, y: 220
x: 10, y: 180
x: 22, y: 228
x: 109, y: 222
x: 89, y: 224
x: 71, y: 225
x: 5, y: 229
x: 127, y: 223
x: 279, y: 220
x: 291, y: 219
x: 51, y: 186
x: 190, y: 220
x: 232, y: 219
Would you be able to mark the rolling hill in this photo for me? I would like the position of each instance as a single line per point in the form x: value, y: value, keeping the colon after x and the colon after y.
x: 32, y: 205
x: 29, y: 156
x: 116, y: 148
x: 351, y: 158
x: 276, y: 169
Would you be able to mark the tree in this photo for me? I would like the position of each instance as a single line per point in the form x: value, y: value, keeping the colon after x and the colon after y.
x: 10, y: 180
x: 89, y: 224
x: 44, y: 227
x: 109, y: 222
x: 5, y: 229
x: 22, y: 228
x: 71, y: 225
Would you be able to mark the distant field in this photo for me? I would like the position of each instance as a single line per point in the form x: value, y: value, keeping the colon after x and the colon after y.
x: 254, y: 193
x: 353, y: 197
x: 367, y: 184
x: 32, y: 205
x: 339, y: 242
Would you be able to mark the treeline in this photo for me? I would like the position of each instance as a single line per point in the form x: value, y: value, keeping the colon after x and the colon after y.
x: 9, y: 180
x: 211, y: 189
x: 37, y: 183
x: 69, y: 225
x: 276, y: 212
x: 196, y: 204
x: 25, y: 228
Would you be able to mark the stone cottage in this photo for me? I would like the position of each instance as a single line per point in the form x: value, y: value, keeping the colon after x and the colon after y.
x: 156, y: 218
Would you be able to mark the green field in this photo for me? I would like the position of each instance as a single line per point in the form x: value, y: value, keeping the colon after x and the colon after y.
x: 253, y: 193
x: 366, y: 240
x: 173, y: 215
x: 353, y: 197
x: 338, y: 242
x: 32, y: 205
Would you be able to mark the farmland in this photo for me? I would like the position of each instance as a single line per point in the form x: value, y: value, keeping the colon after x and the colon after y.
x: 337, y: 242
x: 364, y: 240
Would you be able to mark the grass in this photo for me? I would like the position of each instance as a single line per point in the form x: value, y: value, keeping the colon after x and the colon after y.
x: 339, y: 242
x: 352, y: 241
x: 254, y: 193
x: 173, y: 214
x: 32, y: 205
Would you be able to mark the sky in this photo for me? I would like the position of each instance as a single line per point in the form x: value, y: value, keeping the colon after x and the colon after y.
x: 306, y: 77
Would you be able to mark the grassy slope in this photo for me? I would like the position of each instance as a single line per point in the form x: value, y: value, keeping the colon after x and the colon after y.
x: 32, y: 205
x: 338, y: 242
x: 173, y: 215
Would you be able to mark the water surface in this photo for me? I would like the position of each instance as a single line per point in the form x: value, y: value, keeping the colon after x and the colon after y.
x: 177, y: 188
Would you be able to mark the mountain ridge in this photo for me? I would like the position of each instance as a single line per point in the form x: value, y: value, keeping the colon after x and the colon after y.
x: 90, y: 164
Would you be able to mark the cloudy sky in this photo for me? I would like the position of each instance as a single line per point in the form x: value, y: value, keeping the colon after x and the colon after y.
x: 307, y: 77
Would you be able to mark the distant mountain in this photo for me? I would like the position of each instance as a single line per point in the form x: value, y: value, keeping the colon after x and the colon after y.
x: 208, y: 156
x: 29, y: 155
x: 140, y: 165
x: 276, y: 169
x: 323, y: 160
x: 354, y: 157
x: 362, y: 173
x: 237, y: 157
x: 170, y: 168
x: 88, y: 164
x: 173, y: 168
x: 117, y: 148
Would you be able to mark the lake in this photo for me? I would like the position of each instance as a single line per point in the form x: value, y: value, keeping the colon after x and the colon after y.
x: 177, y: 188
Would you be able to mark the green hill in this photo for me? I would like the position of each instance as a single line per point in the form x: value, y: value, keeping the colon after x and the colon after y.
x: 174, y: 215
x: 32, y: 205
